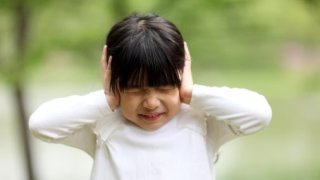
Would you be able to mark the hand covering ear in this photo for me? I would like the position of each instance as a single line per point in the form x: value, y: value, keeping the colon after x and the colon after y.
x: 112, y: 97
x: 186, y: 78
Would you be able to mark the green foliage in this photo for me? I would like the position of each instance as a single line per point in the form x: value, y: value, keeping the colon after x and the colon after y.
x: 311, y: 83
x: 234, y: 42
x: 4, y: 4
x: 220, y: 33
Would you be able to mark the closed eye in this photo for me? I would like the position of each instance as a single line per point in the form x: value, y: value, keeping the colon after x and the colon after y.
x: 135, y: 90
x: 166, y: 89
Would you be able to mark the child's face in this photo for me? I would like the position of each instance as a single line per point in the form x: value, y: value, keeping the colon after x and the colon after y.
x: 150, y: 107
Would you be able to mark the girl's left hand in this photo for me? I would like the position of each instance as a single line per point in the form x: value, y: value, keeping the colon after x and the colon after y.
x: 186, y: 78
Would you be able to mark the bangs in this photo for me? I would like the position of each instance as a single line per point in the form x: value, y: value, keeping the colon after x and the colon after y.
x: 145, y: 77
x: 146, y: 65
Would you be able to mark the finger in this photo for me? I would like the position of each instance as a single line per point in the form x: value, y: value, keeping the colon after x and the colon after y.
x: 107, y: 75
x: 186, y: 78
x: 186, y: 52
x: 187, y: 62
x: 103, y: 58
x: 108, y: 68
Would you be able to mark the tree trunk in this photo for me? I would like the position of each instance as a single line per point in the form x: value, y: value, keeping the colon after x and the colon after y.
x: 21, y: 18
x: 23, y: 127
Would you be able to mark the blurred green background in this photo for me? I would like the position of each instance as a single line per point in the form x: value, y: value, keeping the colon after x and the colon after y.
x: 52, y: 48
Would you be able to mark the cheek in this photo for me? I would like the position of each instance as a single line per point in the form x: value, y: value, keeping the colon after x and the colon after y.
x: 174, y: 101
x: 128, y: 104
x: 176, y: 96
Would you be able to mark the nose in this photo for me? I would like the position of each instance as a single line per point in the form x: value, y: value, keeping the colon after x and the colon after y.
x: 151, y: 101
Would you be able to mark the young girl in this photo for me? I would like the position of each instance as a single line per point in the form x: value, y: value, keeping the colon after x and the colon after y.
x: 150, y: 122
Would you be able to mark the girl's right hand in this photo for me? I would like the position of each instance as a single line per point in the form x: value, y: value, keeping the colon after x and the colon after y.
x: 112, y: 97
x: 186, y: 78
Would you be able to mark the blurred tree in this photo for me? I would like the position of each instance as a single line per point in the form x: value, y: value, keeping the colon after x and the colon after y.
x: 119, y: 8
x: 15, y: 65
x: 221, y: 33
x: 20, y: 10
x: 314, y: 6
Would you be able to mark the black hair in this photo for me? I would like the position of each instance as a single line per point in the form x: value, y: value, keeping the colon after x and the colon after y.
x: 146, y: 50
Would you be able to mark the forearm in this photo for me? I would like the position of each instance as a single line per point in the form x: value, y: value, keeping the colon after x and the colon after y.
x: 61, y: 117
x: 245, y: 111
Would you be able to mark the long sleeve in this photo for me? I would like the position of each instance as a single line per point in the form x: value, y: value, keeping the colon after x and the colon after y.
x: 230, y: 112
x: 70, y: 120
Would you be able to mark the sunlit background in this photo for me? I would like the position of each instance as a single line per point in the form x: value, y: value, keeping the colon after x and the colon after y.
x: 52, y: 48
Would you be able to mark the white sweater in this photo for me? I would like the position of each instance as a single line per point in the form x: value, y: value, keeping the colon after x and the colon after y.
x: 183, y: 149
